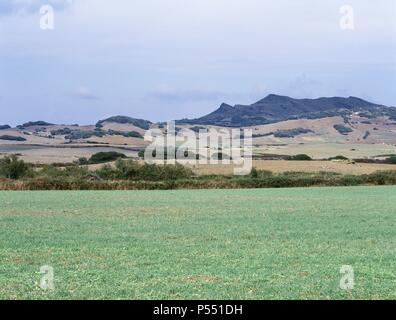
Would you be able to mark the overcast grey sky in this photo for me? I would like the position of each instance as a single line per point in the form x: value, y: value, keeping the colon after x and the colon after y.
x: 170, y: 59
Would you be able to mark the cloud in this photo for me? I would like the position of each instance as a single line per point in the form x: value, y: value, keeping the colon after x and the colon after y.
x: 8, y: 7
x: 207, y: 51
x: 84, y: 93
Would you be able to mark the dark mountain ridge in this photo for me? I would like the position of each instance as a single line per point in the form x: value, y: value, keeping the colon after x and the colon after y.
x: 276, y: 108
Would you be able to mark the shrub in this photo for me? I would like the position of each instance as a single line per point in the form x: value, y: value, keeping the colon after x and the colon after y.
x: 173, y: 172
x: 144, y: 124
x: 129, y: 134
x: 102, y: 157
x: 83, y: 161
x: 35, y: 123
x: 76, y: 172
x: 260, y: 174
x: 126, y: 169
x: 254, y: 173
x: 366, y: 135
x: 342, y: 129
x: 73, y: 171
x: 339, y: 157
x: 291, y: 133
x: 391, y: 160
x: 300, y: 157
x: 51, y: 171
x: 80, y: 134
x: 199, y: 129
x: 379, y: 177
x: 106, y: 172
x: 12, y: 138
x: 61, y: 132
x: 13, y: 168
x: 135, y: 171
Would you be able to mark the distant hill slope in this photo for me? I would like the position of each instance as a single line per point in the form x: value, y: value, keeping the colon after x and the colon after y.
x: 275, y: 108
x: 140, y: 123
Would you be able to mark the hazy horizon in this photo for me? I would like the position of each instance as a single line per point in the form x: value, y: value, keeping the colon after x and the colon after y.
x: 171, y: 59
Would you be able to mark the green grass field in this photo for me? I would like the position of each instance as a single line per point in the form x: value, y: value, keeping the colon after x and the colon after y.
x: 217, y: 244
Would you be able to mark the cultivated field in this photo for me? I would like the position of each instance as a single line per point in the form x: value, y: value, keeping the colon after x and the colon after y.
x: 223, y: 244
x: 281, y: 166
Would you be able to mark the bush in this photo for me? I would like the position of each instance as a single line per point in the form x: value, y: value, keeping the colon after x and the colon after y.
x: 254, y: 173
x: 80, y: 134
x: 300, y: 157
x: 291, y: 133
x: 50, y: 171
x: 342, y: 129
x: 61, y: 132
x: 391, y: 160
x: 260, y: 174
x: 34, y: 123
x: 73, y: 171
x: 12, y: 138
x: 381, y: 177
x: 338, y: 158
x: 130, y: 134
x: 106, y: 172
x: 144, y: 124
x: 83, y: 161
x: 12, y: 168
x: 102, y: 157
x: 132, y: 170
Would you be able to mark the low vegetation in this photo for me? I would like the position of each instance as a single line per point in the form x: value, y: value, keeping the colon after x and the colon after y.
x: 199, y: 244
x: 4, y: 127
x: 140, y: 123
x: 77, y: 134
x: 103, y: 157
x: 34, y: 124
x: 390, y: 160
x: 291, y: 133
x: 343, y: 129
x: 287, y: 133
x: 300, y: 157
x: 61, y: 132
x: 13, y: 168
x: 126, y: 134
x: 12, y: 138
x: 339, y: 157
x: 129, y: 174
x: 81, y: 134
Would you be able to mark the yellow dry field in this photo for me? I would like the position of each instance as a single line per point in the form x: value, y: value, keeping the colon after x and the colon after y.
x: 120, y: 140
x: 279, y: 166
x: 47, y: 155
x: 328, y: 150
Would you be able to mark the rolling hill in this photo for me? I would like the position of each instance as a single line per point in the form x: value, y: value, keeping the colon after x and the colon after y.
x: 281, y: 125
x: 275, y: 108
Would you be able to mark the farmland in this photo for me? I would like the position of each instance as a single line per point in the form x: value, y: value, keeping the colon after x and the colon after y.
x: 198, y: 244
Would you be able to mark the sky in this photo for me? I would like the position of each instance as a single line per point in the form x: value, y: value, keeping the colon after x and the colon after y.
x: 171, y: 59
